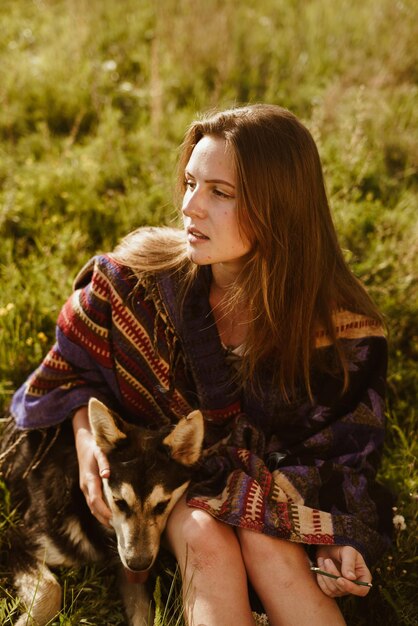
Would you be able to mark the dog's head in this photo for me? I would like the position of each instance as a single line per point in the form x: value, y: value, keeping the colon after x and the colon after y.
x: 149, y: 472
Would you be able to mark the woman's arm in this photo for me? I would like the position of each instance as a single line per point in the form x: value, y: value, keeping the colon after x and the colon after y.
x: 334, y: 467
x: 80, y: 365
x: 93, y: 466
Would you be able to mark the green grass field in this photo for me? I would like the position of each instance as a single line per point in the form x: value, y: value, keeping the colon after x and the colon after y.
x: 95, y: 97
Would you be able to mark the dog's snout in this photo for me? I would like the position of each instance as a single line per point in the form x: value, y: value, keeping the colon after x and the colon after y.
x: 139, y: 563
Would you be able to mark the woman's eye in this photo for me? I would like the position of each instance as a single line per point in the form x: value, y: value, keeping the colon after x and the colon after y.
x: 221, y: 194
x: 189, y: 184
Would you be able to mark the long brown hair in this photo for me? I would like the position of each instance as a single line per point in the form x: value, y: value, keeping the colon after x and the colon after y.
x: 295, y: 276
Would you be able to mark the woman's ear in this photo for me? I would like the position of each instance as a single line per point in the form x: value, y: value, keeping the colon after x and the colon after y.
x: 186, y: 439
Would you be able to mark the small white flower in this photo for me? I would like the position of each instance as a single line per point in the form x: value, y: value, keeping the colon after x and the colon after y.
x: 27, y: 34
x: 126, y: 87
x: 4, y: 310
x: 399, y: 522
x: 109, y: 66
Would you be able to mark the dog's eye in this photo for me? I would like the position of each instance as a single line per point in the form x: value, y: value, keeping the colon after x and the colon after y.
x: 122, y: 505
x: 160, y: 507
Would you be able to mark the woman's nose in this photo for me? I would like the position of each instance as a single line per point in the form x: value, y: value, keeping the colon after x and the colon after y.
x: 193, y: 204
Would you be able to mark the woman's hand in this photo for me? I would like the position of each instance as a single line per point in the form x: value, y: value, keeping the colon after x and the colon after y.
x: 346, y: 562
x: 93, y: 466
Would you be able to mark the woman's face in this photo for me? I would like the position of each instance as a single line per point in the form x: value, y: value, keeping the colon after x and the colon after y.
x: 209, y: 206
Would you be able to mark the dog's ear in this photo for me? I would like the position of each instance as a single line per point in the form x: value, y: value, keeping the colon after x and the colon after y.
x: 104, y: 427
x: 186, y: 439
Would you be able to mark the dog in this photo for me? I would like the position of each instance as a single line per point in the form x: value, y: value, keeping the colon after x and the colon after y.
x: 149, y: 472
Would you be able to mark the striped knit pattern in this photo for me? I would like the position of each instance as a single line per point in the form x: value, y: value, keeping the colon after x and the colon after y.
x: 104, y: 325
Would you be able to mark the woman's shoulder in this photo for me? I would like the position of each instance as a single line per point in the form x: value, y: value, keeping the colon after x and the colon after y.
x: 349, y: 325
x: 142, y: 252
x: 99, y: 267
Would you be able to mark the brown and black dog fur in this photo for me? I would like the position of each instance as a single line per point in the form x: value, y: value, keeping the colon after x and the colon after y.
x: 149, y: 472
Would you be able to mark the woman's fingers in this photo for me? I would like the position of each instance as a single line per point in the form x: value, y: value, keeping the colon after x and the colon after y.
x: 93, y: 466
x: 351, y: 588
x: 349, y: 562
x: 95, y: 502
x: 335, y: 587
x: 102, y: 463
x: 354, y: 568
x: 330, y: 586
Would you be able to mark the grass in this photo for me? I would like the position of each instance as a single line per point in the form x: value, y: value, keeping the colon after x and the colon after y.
x: 95, y: 96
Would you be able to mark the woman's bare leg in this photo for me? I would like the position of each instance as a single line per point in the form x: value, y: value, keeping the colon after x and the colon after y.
x: 215, y: 591
x: 279, y: 572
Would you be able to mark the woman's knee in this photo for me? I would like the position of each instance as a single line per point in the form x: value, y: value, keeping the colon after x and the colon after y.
x: 285, y: 556
x: 199, y: 540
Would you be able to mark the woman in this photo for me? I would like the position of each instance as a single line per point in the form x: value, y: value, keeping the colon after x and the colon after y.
x: 250, y: 314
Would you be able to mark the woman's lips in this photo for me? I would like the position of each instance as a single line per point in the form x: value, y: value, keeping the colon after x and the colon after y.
x: 193, y: 235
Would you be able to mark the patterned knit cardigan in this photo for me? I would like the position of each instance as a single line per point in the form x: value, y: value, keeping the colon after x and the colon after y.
x: 303, y: 471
